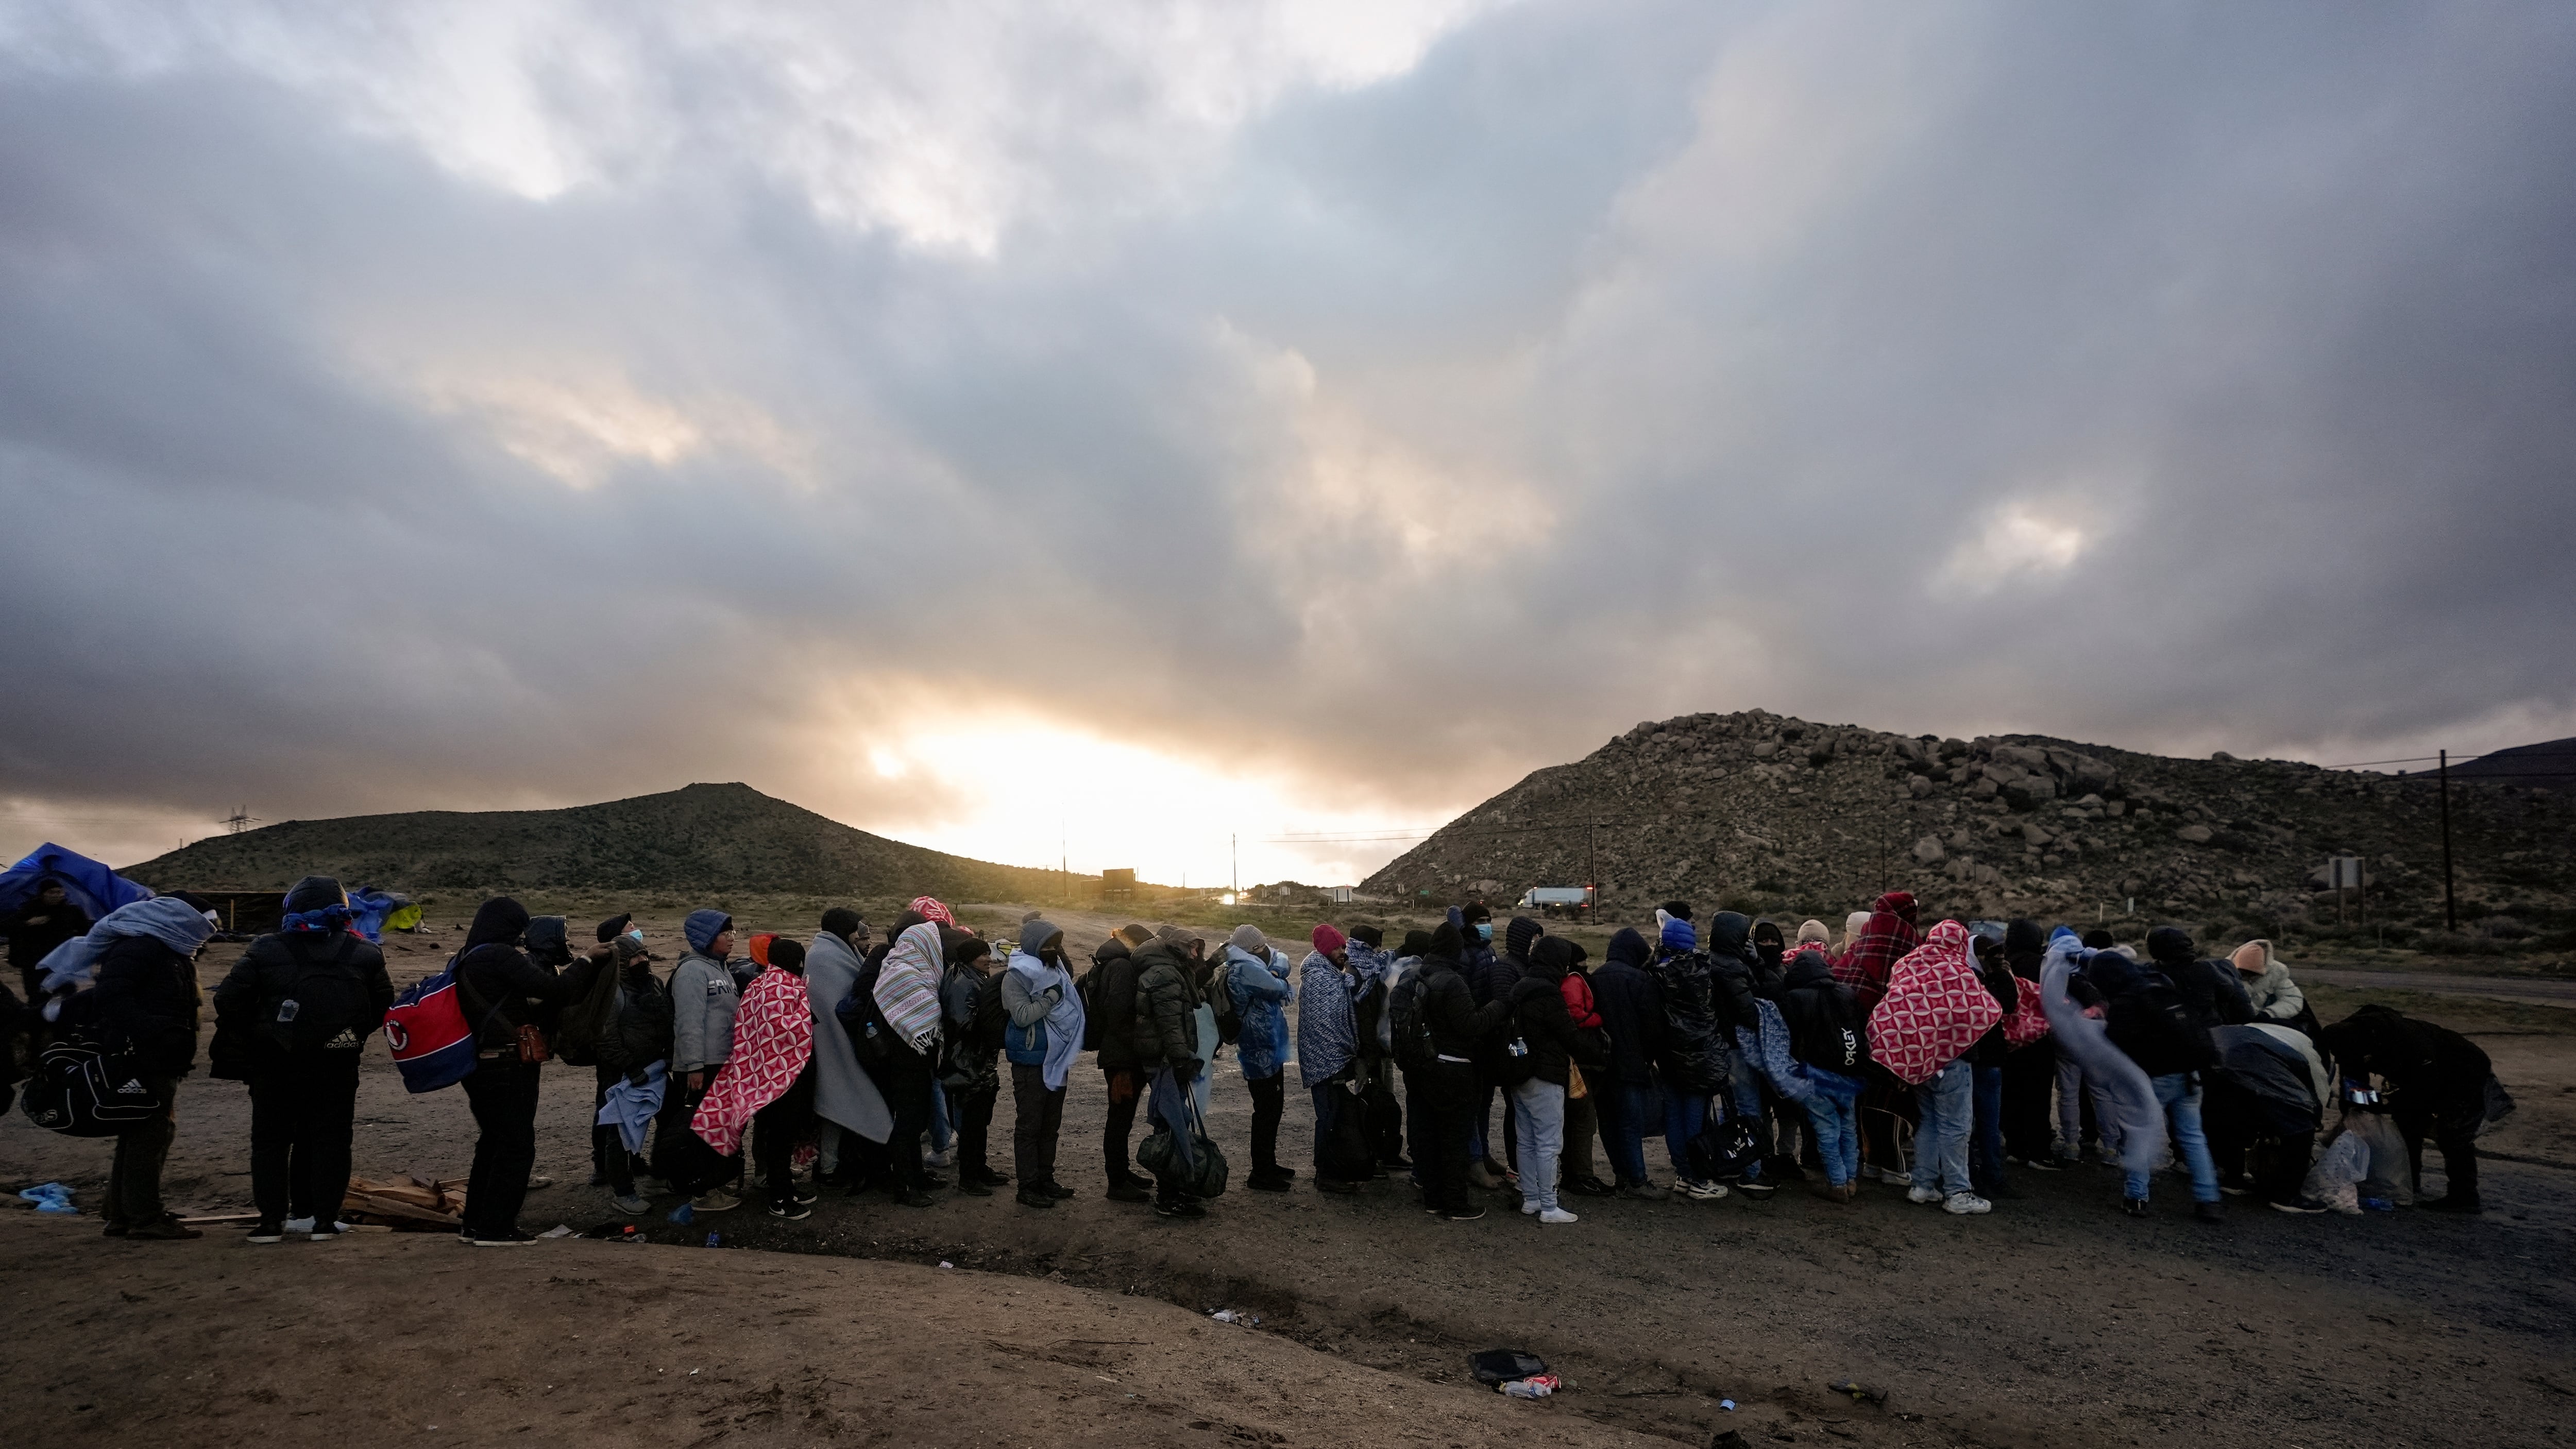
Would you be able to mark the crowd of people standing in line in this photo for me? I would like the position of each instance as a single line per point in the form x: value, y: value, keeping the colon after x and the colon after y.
x: 875, y: 1067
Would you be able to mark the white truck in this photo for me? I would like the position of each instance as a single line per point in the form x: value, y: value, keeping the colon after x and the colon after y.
x: 1555, y: 899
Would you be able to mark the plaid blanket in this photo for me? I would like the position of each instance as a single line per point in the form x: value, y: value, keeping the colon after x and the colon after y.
x: 908, y: 985
x: 1864, y: 964
x: 773, y: 1039
x: 1934, y: 1010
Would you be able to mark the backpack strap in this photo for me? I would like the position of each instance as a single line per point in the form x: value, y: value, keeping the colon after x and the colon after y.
x: 470, y: 994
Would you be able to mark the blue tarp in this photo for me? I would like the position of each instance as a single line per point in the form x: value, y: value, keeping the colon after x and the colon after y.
x: 370, y: 907
x: 92, y: 886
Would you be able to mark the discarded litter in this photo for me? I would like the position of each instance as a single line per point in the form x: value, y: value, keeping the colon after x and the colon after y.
x: 1860, y: 1392
x: 559, y: 1230
x: 683, y: 1215
x: 1228, y: 1315
x: 1727, y: 1404
x: 714, y: 1240
x: 1536, y: 1386
x: 1499, y: 1366
x: 50, y: 1197
x: 944, y: 1263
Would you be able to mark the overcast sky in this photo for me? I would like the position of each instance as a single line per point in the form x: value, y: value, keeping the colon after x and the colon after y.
x: 1102, y: 428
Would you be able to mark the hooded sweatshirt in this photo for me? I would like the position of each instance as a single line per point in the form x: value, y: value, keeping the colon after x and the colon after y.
x: 1826, y: 1029
x: 2268, y: 987
x: 1632, y: 1010
x: 499, y: 987
x: 1538, y: 1009
x: 2212, y: 989
x: 704, y: 997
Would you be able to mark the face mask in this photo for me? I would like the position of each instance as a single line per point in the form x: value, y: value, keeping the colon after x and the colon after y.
x: 1485, y: 931
x: 636, y: 935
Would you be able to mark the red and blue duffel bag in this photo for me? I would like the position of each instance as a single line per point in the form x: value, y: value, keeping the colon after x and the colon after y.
x: 427, y: 1033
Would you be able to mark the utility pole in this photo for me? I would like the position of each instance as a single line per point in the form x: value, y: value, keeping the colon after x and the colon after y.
x: 1592, y: 869
x: 1234, y: 864
x: 2450, y: 901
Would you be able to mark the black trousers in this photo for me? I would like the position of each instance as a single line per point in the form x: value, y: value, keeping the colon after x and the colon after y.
x: 970, y: 1111
x: 134, y: 1174
x: 2030, y: 1077
x: 503, y: 1093
x: 1126, y: 1091
x: 680, y: 1156
x: 303, y: 1111
x: 2459, y: 1143
x: 775, y: 1131
x: 607, y: 1148
x: 1039, y: 1117
x: 1269, y: 1100
x: 1441, y: 1101
x: 905, y: 1079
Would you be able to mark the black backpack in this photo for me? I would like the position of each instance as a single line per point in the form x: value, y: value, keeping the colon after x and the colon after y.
x: 1411, y: 1024
x: 1220, y: 1000
x: 586, y: 1023
x: 1086, y: 989
x: 325, y: 1007
x: 871, y: 1037
x: 1349, y: 1152
x: 82, y: 1090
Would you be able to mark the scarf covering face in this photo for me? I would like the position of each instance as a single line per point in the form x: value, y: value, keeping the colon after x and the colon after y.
x: 773, y: 1039
x: 1890, y: 934
x: 174, y: 923
x: 908, y: 983
x: 1064, y: 1020
x: 929, y: 909
x: 1934, y: 1009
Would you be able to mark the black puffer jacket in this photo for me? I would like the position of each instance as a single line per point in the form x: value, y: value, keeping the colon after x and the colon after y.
x: 1113, y: 999
x: 1632, y: 1010
x: 252, y: 992
x: 1459, y: 1027
x: 2211, y: 990
x: 500, y: 989
x: 2005, y: 988
x: 1168, y: 993
x: 1537, y: 1003
x: 643, y: 1030
x: 1694, y: 1058
x: 2146, y: 1018
x: 145, y: 1003
x: 2429, y: 1069
x: 1736, y: 967
x: 1826, y: 1028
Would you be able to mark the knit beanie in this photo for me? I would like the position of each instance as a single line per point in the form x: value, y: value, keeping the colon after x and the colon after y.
x: 1373, y: 937
x: 1328, y: 940
x: 1678, y: 935
x: 1813, y: 931
x: 702, y: 928
x: 1248, y: 939
x: 2253, y: 958
x: 1520, y: 936
x: 786, y: 955
x: 1135, y: 935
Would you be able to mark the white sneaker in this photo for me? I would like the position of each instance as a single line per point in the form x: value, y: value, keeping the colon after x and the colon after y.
x: 299, y: 1225
x: 1704, y: 1191
x: 1557, y: 1216
x: 1529, y: 1206
x: 715, y: 1200
x: 941, y: 1159
x: 1966, y: 1204
x: 1923, y: 1194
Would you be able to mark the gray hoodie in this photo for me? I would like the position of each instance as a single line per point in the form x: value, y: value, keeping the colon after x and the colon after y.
x: 703, y: 998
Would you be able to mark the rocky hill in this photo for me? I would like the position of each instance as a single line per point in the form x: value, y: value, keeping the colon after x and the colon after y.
x: 702, y: 837
x: 1785, y: 814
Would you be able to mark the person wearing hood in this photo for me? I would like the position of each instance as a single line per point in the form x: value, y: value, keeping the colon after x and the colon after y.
x: 1738, y: 978
x: 1696, y: 1065
x: 704, y: 998
x: 1552, y: 1043
x: 1122, y: 1069
x: 509, y: 996
x: 1373, y: 1080
x: 300, y: 1005
x: 1328, y: 1040
x: 851, y: 1117
x: 2276, y: 1000
x: 1043, y: 1037
x: 1770, y: 955
x: 1172, y: 1046
x: 2153, y: 1024
x: 1255, y: 979
x: 2439, y: 1084
x: 906, y: 997
x: 145, y: 1008
x: 1630, y: 1102
x: 1986, y: 1135
x: 2212, y: 989
x: 975, y: 1024
x: 1445, y: 1087
x: 1869, y: 954
x: 1924, y: 1031
x: 767, y: 1083
x: 1827, y: 1035
x: 49, y: 918
x: 2028, y: 1070
x: 634, y: 1052
x: 1588, y: 1079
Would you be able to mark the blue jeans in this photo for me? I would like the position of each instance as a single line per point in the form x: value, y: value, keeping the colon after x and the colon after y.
x: 1948, y: 1104
x: 1986, y: 1155
x: 1638, y: 1106
x: 941, y: 1132
x: 1835, y: 1112
x: 1685, y: 1113
x: 2179, y: 1095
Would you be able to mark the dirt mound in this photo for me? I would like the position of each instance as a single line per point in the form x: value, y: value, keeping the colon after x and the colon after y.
x: 1772, y: 811
x: 701, y: 838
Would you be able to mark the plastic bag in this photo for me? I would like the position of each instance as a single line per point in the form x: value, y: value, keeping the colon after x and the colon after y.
x: 2390, y: 1176
x: 1499, y: 1366
x: 2335, y: 1180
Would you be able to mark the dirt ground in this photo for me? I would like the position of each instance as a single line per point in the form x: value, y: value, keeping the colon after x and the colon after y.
x: 2052, y: 1321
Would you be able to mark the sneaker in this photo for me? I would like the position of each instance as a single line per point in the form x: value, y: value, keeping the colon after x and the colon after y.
x: 1703, y: 1191
x: 940, y: 1159
x: 329, y: 1232
x: 301, y: 1227
x: 630, y: 1203
x: 808, y: 1196
x: 268, y: 1230
x: 2106, y: 1155
x: 1056, y: 1190
x: 1642, y: 1191
x: 1965, y: 1204
x: 918, y: 1199
x: 2135, y: 1207
x: 508, y: 1238
x: 792, y: 1210
x: 2238, y: 1188
x: 1259, y: 1183
x: 1529, y: 1207
x: 2299, y: 1205
x: 715, y: 1200
x: 974, y: 1187
x: 2051, y: 1163
x: 1923, y: 1194
x: 2209, y: 1212
x: 1557, y: 1217
x: 166, y: 1228
x: 1036, y: 1197
x: 1183, y: 1208
x: 1129, y: 1192
x: 1590, y: 1187
x: 1464, y: 1215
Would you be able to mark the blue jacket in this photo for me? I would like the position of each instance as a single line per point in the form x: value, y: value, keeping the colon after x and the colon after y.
x: 1261, y: 991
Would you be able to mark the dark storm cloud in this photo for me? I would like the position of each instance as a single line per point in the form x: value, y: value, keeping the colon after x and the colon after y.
x: 2182, y: 377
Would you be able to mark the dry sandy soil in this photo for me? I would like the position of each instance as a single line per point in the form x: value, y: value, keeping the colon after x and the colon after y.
x: 2053, y: 1321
